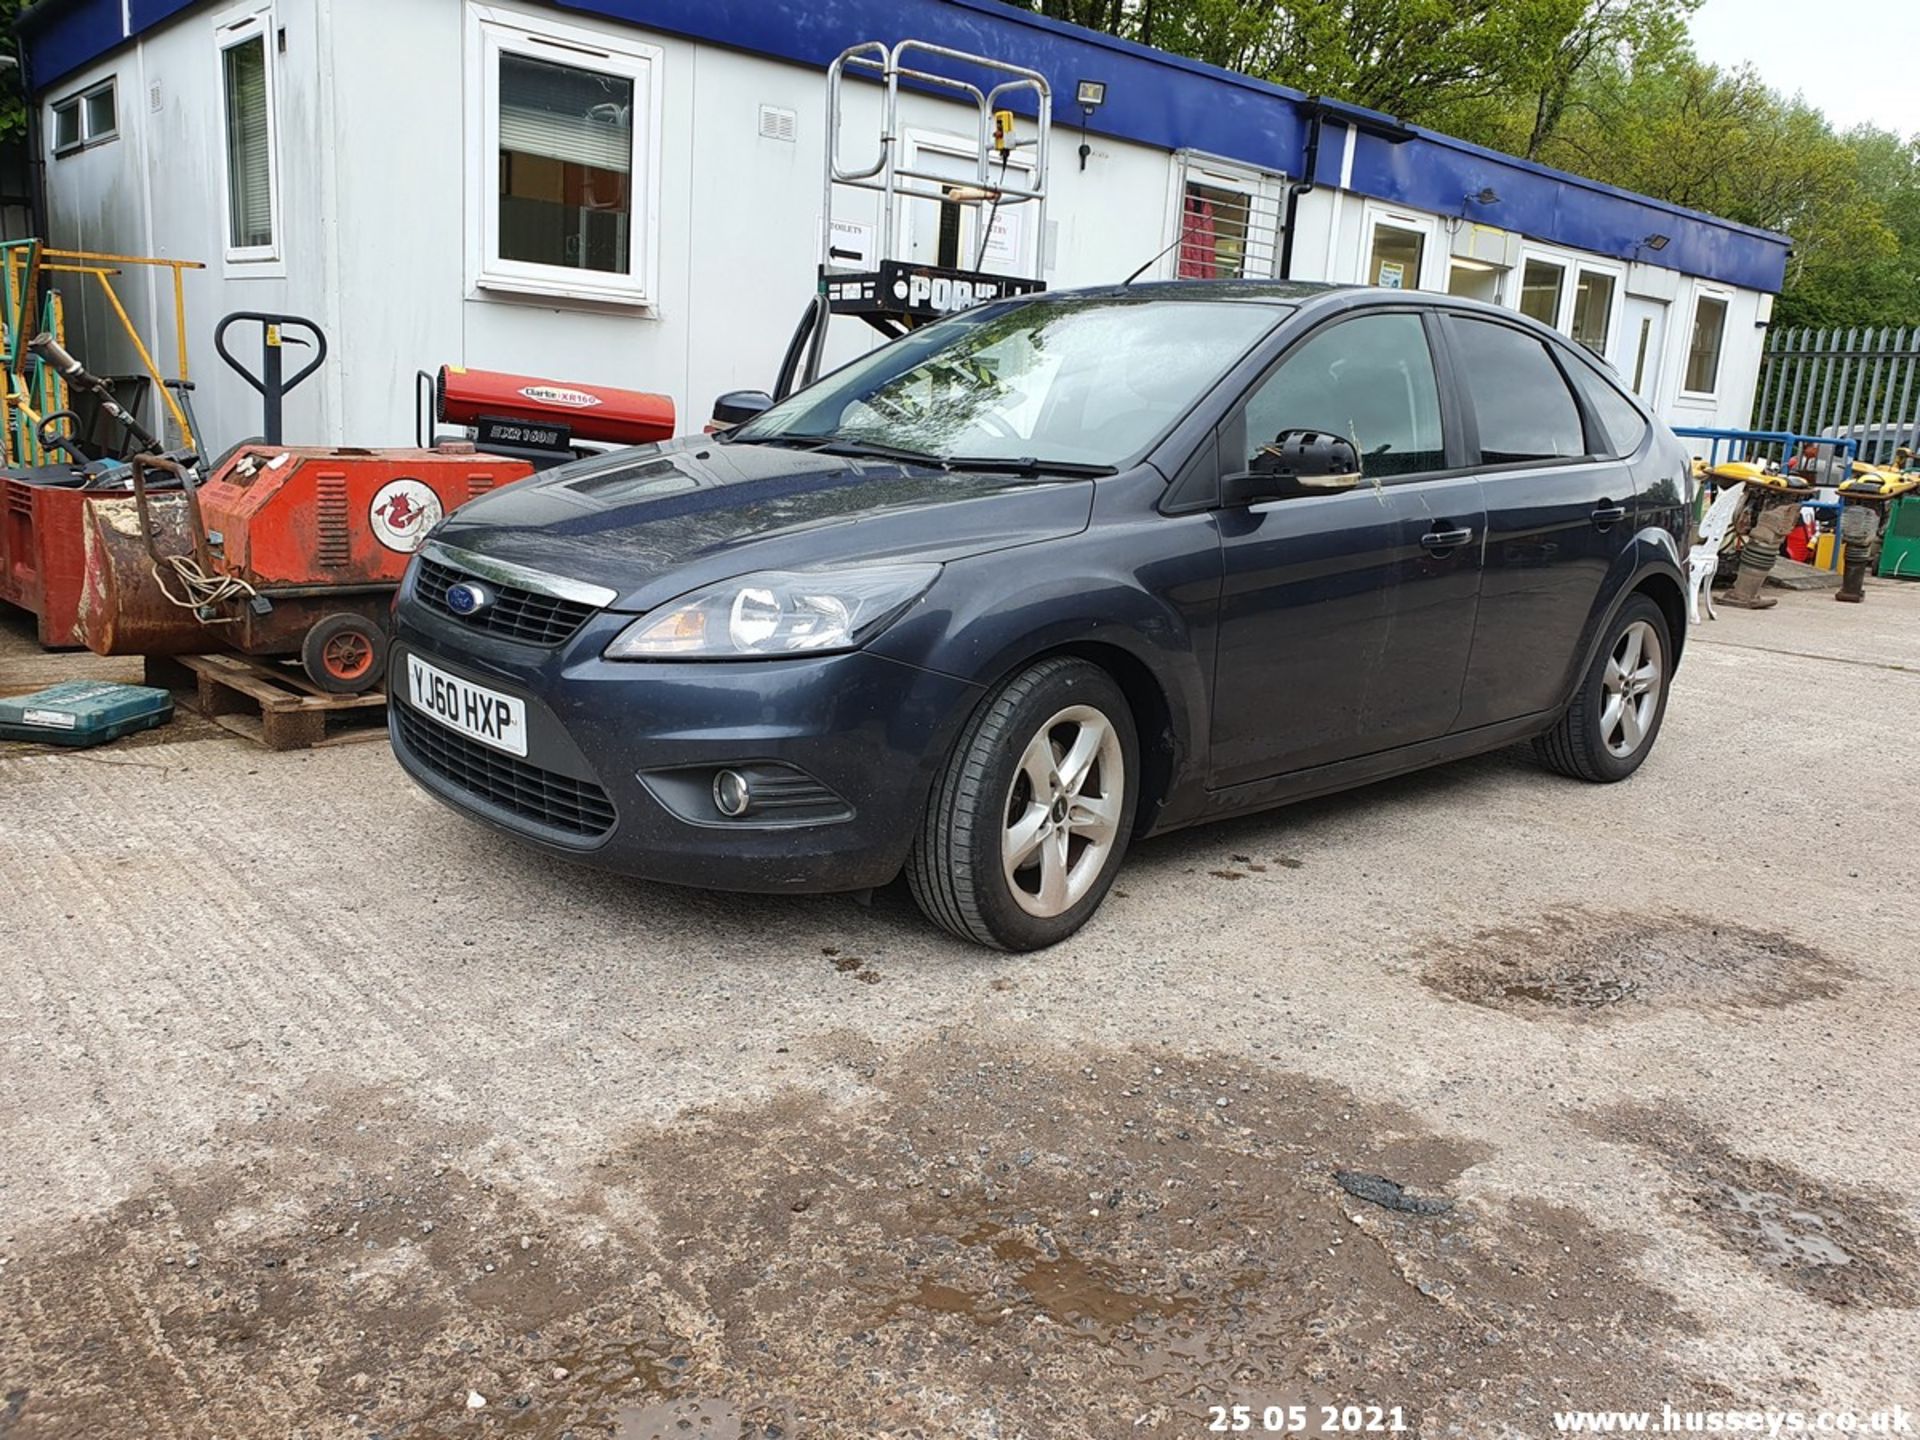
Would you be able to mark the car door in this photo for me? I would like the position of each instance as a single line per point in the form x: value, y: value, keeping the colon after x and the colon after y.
x: 1346, y: 619
x: 1559, y: 511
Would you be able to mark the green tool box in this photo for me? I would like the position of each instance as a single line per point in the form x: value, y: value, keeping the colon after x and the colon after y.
x: 83, y: 712
x: 1900, y: 544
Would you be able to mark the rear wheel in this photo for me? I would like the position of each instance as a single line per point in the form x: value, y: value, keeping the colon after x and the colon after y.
x: 1028, y: 822
x: 345, y: 654
x: 1615, y: 718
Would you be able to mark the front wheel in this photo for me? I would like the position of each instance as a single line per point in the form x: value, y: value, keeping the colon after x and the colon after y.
x: 1615, y: 718
x: 1029, y: 820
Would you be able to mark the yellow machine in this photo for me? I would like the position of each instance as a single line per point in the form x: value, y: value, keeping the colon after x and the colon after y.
x: 1754, y: 475
x: 1878, y: 482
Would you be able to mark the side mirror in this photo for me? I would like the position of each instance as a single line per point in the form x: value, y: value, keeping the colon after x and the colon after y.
x: 1297, y: 463
x: 736, y: 407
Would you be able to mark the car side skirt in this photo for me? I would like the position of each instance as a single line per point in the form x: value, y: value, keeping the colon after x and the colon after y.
x: 1321, y: 780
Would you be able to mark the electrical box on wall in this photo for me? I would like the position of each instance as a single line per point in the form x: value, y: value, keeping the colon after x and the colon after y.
x: 1488, y: 244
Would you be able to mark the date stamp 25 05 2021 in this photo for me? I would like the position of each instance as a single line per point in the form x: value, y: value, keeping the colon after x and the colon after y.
x: 1307, y: 1419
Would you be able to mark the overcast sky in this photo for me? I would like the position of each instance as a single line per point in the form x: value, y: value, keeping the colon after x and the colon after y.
x: 1858, y: 60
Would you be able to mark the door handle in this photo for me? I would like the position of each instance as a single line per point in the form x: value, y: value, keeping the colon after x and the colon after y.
x: 1609, y: 513
x: 1445, y: 539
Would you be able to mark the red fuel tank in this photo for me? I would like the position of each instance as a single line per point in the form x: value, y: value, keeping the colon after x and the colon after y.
x: 590, y: 412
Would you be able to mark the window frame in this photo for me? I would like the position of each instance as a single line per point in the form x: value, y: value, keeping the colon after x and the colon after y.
x: 1563, y: 293
x: 76, y: 103
x: 1263, y: 190
x: 1723, y: 298
x: 232, y: 29
x: 1373, y: 216
x: 1590, y: 427
x: 490, y: 32
x: 1616, y: 303
x: 1454, y: 450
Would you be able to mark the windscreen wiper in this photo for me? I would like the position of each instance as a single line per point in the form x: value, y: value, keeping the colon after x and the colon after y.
x: 873, y: 450
x: 1025, y: 465
x: 845, y: 445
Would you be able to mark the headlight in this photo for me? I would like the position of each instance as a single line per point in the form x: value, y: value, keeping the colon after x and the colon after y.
x: 776, y: 612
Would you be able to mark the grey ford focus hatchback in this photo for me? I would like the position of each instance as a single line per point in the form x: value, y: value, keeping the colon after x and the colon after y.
x: 1060, y: 572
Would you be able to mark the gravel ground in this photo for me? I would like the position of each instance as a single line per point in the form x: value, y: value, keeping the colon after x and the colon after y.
x: 1480, y: 1094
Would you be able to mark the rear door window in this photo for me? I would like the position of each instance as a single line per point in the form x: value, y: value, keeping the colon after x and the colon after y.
x: 1520, y: 398
x: 1623, y: 427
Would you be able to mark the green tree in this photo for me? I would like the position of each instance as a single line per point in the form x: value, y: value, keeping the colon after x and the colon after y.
x: 13, y: 103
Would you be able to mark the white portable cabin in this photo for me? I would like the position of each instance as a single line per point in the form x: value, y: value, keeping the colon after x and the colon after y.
x: 628, y: 192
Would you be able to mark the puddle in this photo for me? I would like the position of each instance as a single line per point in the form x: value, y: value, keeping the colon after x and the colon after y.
x: 1578, y: 961
x: 695, y: 1418
x: 1843, y: 1246
x: 983, y: 1240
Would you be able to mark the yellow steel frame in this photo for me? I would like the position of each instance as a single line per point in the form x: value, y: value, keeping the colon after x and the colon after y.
x: 102, y: 267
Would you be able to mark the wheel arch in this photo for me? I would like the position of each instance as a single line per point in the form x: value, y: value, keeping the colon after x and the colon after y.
x: 1666, y: 592
x: 1652, y: 566
x: 1152, y: 720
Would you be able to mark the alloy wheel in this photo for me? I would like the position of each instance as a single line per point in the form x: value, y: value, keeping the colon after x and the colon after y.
x: 1630, y: 697
x: 1063, y: 811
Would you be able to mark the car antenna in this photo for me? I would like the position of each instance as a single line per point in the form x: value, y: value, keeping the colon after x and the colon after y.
x: 1151, y: 263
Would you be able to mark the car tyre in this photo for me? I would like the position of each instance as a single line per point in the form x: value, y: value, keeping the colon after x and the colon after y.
x: 1029, y: 820
x: 1614, y: 720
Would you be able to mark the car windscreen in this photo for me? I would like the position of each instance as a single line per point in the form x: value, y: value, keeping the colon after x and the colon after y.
x: 1084, y: 380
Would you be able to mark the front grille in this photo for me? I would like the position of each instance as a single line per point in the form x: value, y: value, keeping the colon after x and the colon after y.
x: 577, y: 807
x: 515, y: 614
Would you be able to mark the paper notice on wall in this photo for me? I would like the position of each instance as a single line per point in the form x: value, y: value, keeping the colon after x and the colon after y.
x: 1392, y: 276
x: 850, y: 245
x: 1005, y: 249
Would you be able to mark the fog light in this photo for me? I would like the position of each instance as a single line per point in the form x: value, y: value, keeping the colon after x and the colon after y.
x: 730, y: 794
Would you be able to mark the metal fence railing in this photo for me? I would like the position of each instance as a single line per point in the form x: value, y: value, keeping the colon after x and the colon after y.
x: 1862, y: 383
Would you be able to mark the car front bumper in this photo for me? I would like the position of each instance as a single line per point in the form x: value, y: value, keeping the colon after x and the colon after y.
x: 619, y: 754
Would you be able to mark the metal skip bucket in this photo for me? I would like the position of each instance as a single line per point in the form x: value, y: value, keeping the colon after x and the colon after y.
x: 123, y: 610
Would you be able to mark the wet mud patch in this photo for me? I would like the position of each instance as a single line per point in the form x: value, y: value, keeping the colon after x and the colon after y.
x: 988, y: 1240
x: 1577, y: 962
x: 1839, y: 1244
x: 1104, y: 1245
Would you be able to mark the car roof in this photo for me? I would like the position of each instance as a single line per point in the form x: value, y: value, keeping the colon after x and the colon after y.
x: 1301, y: 294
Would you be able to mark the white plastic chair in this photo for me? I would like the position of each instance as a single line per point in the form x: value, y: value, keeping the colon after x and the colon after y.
x: 1703, y: 561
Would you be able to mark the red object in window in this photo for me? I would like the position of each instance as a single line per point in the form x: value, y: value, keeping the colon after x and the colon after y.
x: 1198, y: 260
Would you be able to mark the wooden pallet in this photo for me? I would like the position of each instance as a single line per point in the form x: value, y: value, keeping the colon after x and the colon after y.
x: 272, y: 705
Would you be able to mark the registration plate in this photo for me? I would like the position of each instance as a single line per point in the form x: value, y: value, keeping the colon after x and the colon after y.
x: 473, y: 710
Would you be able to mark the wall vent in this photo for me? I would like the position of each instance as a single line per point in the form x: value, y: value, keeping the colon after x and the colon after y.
x: 777, y: 124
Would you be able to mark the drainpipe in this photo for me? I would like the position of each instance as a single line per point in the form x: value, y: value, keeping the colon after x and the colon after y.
x: 1303, y: 186
x: 1354, y: 117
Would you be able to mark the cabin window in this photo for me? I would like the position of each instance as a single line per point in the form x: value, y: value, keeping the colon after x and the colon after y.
x: 89, y: 118
x: 246, y: 87
x: 1703, y: 347
x: 565, y: 161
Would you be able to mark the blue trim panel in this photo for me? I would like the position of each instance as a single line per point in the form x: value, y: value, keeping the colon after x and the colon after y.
x: 1153, y: 98
x: 1436, y: 173
x: 57, y: 39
